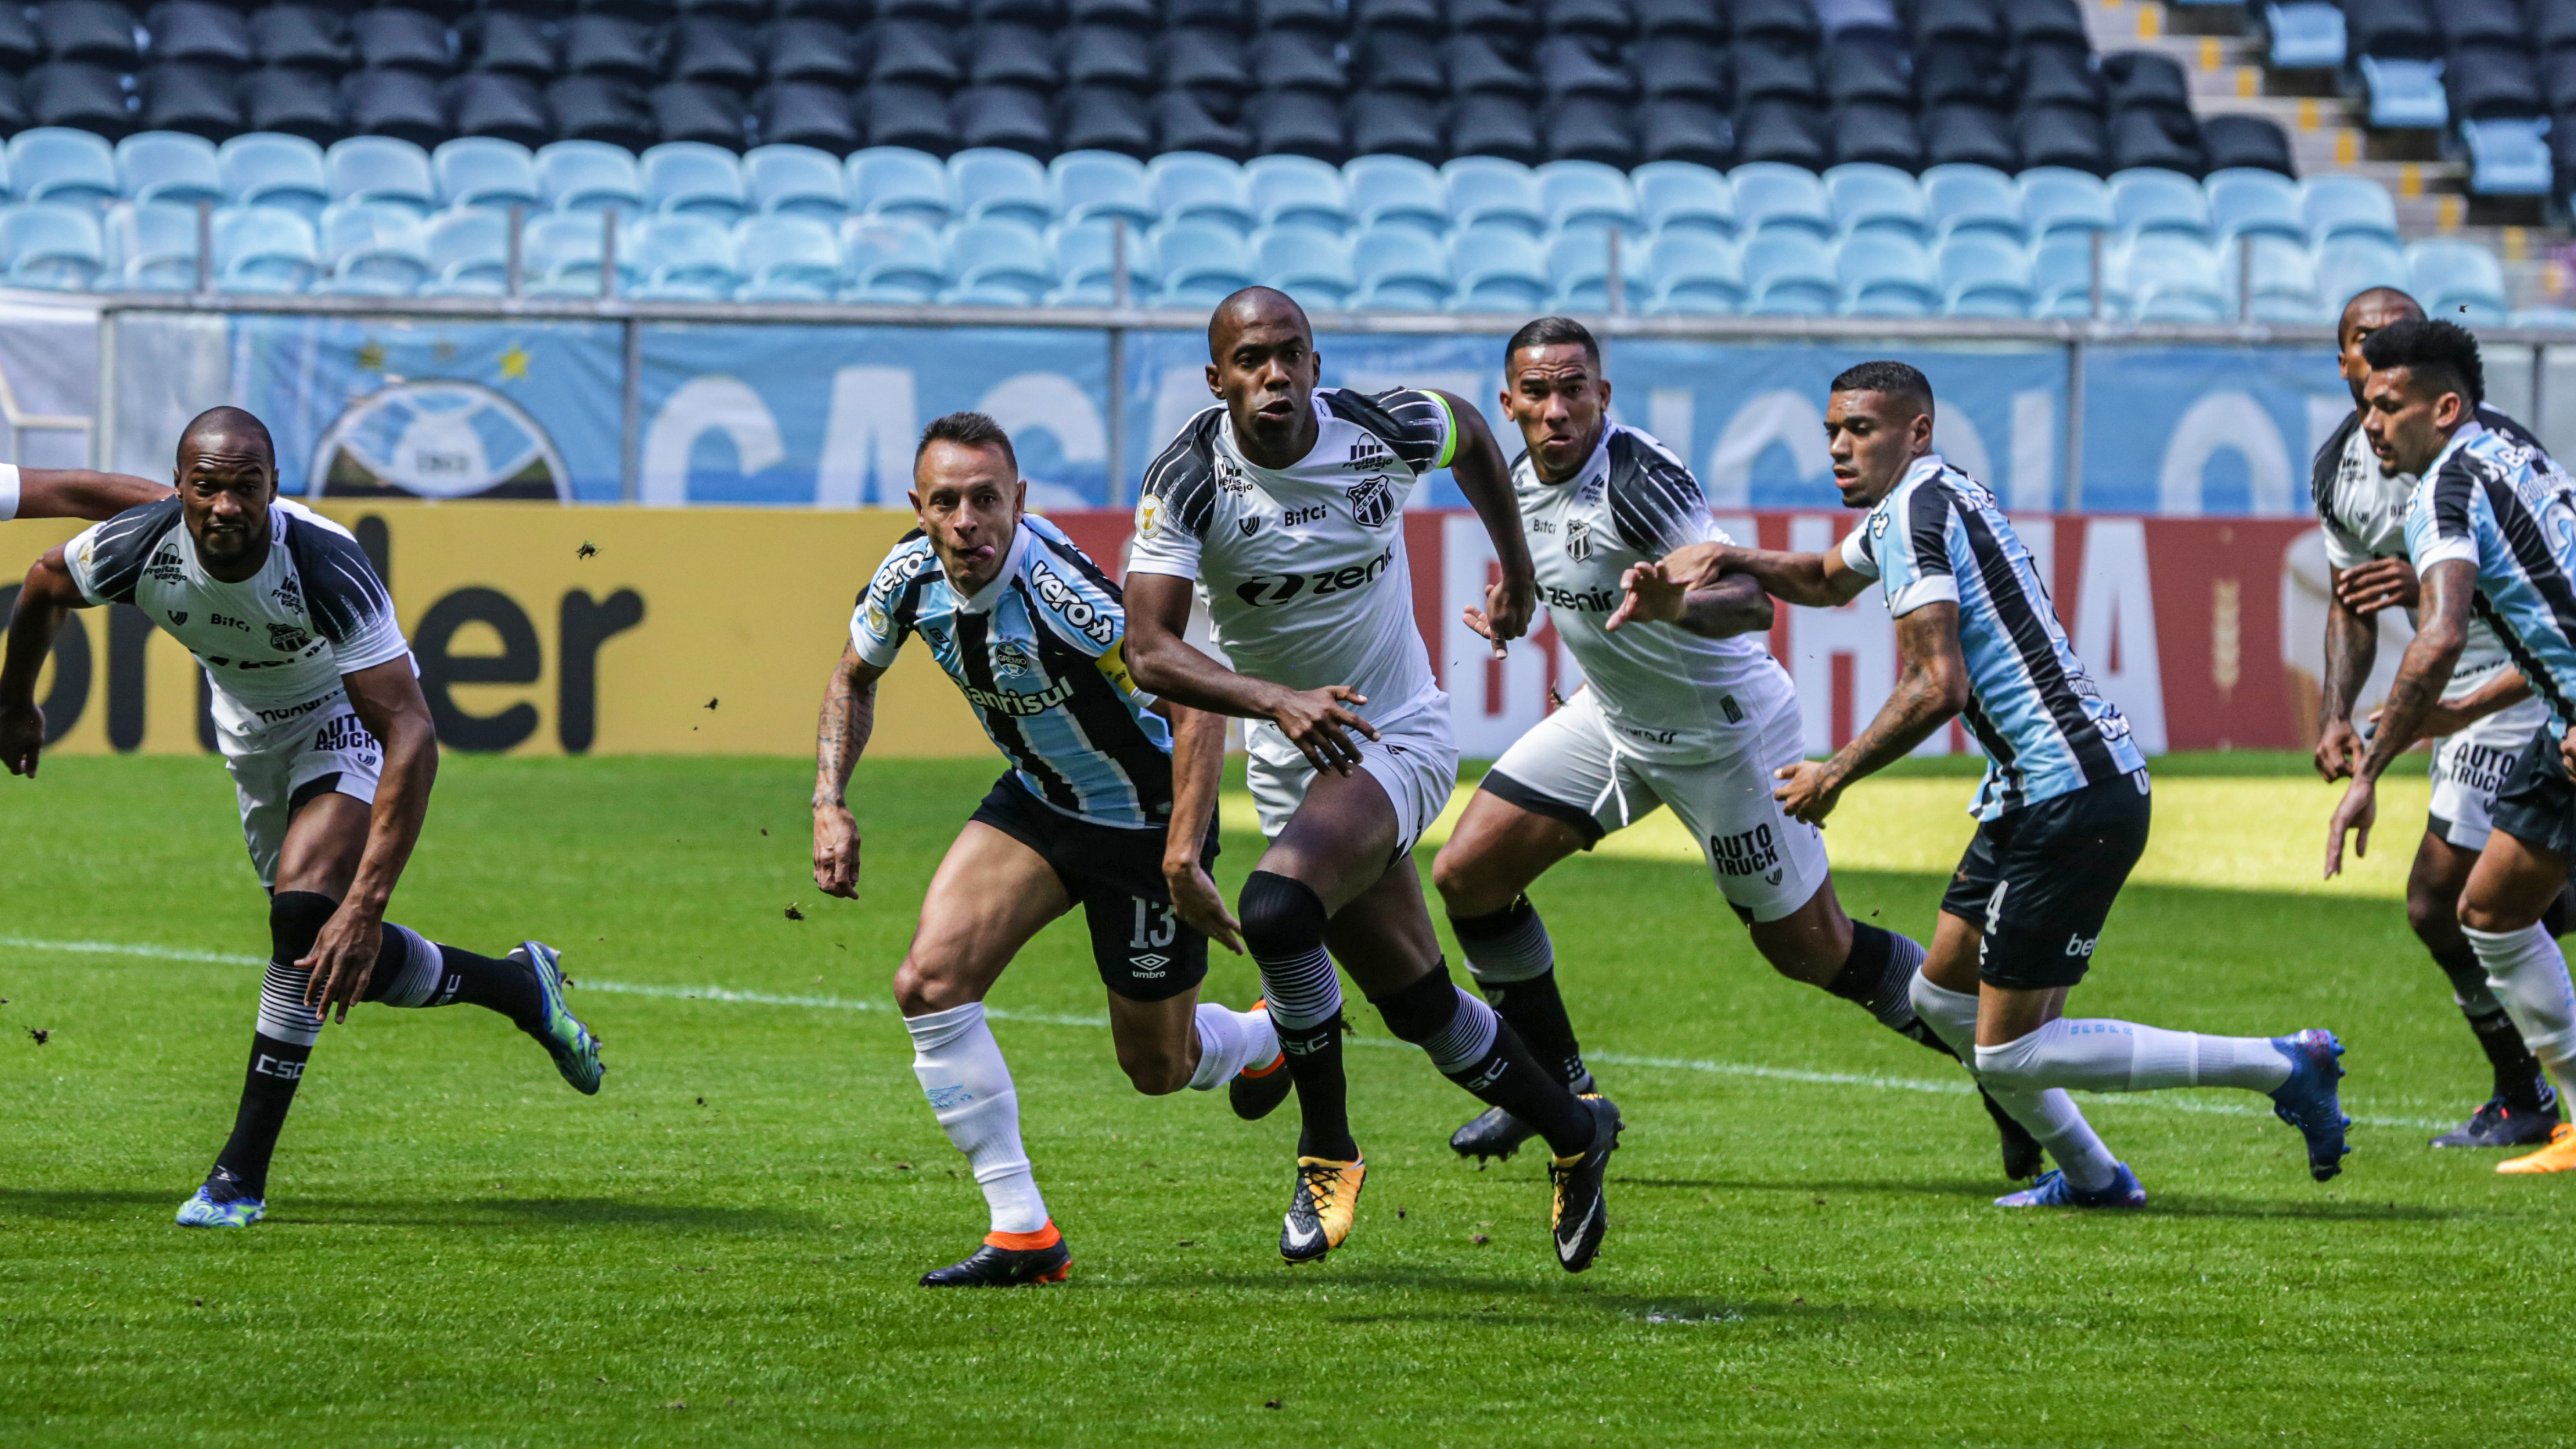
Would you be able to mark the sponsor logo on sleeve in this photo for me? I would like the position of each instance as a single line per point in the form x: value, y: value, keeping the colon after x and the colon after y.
x: 1095, y: 623
x: 1149, y: 516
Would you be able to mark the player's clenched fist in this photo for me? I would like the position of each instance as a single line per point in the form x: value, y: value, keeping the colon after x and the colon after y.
x: 836, y: 851
x: 22, y: 738
x: 1316, y: 722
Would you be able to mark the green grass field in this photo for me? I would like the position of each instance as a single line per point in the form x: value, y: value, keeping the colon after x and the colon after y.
x: 720, y: 1248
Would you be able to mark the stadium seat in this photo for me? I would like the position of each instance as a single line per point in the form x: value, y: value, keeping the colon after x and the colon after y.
x: 2150, y: 200
x: 578, y: 176
x: 1102, y: 118
x: 2247, y: 142
x: 695, y: 111
x: 2487, y: 81
x: 1886, y: 274
x: 2062, y: 276
x: 2255, y: 203
x: 788, y: 256
x: 303, y: 38
x: 2067, y: 138
x: 1195, y: 186
x: 2058, y: 22
x: 2060, y: 75
x: 2152, y: 137
x: 1876, y: 135
x: 1184, y: 121
x: 600, y: 108
x: 996, y: 262
x: 485, y: 171
x: 913, y: 118
x: 996, y: 185
x: 563, y: 254
x: 1578, y: 269
x: 1400, y: 268
x: 2338, y: 206
x: 696, y: 179
x: 682, y: 256
x: 1689, y: 131
x: 509, y: 42
x: 380, y: 168
x: 2279, y: 275
x: 891, y: 259
x: 1298, y: 191
x: 2508, y: 157
x: 1789, y: 273
x: 266, y: 169
x: 797, y: 179
x: 264, y: 249
x: 505, y: 107
x: 898, y: 182
x: 196, y: 97
x: 1490, y: 191
x: 469, y: 253
x: 1683, y: 195
x: 1969, y: 200
x: 1100, y: 186
x: 1683, y: 70
x: 1004, y: 118
x: 1087, y: 257
x: 1780, y: 132
x: 2405, y: 93
x: 1397, y: 191
x: 2357, y: 261
x: 52, y: 246
x: 401, y: 103
x: 150, y: 247
x: 1868, y: 66
x: 373, y: 249
x: 1868, y: 197
x: 1498, y: 267
x: 816, y: 117
x: 1984, y: 274
x: 293, y: 102
x: 392, y: 37
x: 2173, y: 277
x: 1696, y: 273
x: 1308, y: 263
x: 193, y: 30
x: 63, y: 166
x: 94, y: 32
x: 168, y: 166
x: 2459, y: 281
x: 2055, y: 199
x: 1198, y: 263
x: 2305, y: 35
x: 1770, y: 196
x: 1588, y: 194
x: 1969, y: 135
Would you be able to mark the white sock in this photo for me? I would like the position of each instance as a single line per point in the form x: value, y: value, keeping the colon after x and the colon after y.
x: 2050, y: 1115
x: 969, y: 1086
x: 1229, y: 1041
x: 2528, y: 973
x: 2094, y: 1055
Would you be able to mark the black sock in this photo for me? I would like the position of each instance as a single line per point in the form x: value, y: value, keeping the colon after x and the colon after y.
x: 1512, y: 943
x: 1878, y: 976
x: 1478, y: 1050
x: 282, y: 1045
x: 503, y: 985
x: 2519, y: 1082
x: 1283, y: 927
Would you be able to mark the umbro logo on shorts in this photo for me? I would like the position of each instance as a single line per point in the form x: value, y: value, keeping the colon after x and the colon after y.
x: 1149, y: 964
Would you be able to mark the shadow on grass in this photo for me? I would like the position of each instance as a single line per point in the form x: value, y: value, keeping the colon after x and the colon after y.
x: 326, y: 1212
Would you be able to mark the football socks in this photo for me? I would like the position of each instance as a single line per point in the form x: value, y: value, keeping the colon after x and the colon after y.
x: 1514, y: 965
x: 2519, y: 1083
x: 413, y: 971
x: 1229, y: 1041
x: 2529, y: 975
x: 969, y: 1087
x: 2049, y: 1115
x: 1878, y: 975
x: 1479, y: 1051
x: 283, y: 1043
x: 1283, y: 927
x: 2096, y: 1055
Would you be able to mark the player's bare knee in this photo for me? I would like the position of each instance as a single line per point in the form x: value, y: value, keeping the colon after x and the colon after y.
x: 921, y: 986
x: 1156, y: 1068
x: 1467, y: 884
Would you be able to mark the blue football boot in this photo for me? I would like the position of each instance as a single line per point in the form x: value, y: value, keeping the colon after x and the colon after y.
x: 2308, y: 1100
x: 220, y: 1203
x: 2053, y: 1190
x: 575, y: 1050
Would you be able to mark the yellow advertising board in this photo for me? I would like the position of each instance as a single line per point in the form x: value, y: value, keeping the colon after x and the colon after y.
x: 558, y: 630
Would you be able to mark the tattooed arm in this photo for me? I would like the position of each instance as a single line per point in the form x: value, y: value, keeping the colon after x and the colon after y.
x: 1931, y: 686
x: 2352, y: 644
x: 849, y: 717
x: 2421, y: 677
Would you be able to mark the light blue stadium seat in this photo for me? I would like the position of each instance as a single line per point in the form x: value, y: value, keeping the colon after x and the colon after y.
x: 1396, y: 191
x: 1963, y: 200
x: 469, y: 253
x: 1984, y: 274
x: 684, y: 257
x: 562, y: 255
x: 1697, y: 273
x: 2247, y: 202
x: 1400, y: 268
x: 788, y: 256
x: 1866, y: 196
x: 799, y: 179
x: 1498, y: 268
x: 2357, y: 261
x: 380, y: 168
x: 1306, y: 262
x: 1297, y: 191
x: 1578, y: 269
x: 266, y: 168
x: 2171, y: 276
x: 52, y: 246
x: 1683, y: 195
x: 2553, y: 318
x: 1886, y: 274
x: 696, y: 178
x: 575, y: 176
x: 169, y: 166
x: 2148, y: 199
x: 1771, y: 195
x: 2508, y: 156
x: 1195, y: 186
x: 1100, y: 186
x: 486, y: 171
x: 897, y: 181
x: 374, y: 249
x: 2280, y: 276
x: 150, y: 247
x: 892, y: 259
x: 1493, y: 191
x: 2405, y: 93
x: 997, y: 262
x: 1199, y: 263
x: 1787, y: 274
x: 2451, y: 274
x: 992, y: 184
x: 265, y: 249
x: 1588, y: 194
x: 2337, y: 206
x: 2058, y: 198
x: 1087, y: 257
x: 2306, y: 35
x: 58, y: 164
x: 2061, y: 275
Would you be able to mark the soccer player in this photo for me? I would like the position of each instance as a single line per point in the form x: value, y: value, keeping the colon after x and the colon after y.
x: 2491, y: 531
x: 2484, y: 719
x: 322, y: 725
x: 71, y: 493
x: 1685, y: 708
x: 2062, y: 811
x: 1286, y: 502
x: 1109, y: 803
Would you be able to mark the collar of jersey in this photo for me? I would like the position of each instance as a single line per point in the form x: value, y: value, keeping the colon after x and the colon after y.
x: 983, y: 599
x: 1927, y: 466
x: 2469, y: 432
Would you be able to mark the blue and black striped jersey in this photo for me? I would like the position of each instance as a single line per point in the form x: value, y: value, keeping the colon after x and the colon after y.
x: 1041, y: 655
x: 2501, y: 504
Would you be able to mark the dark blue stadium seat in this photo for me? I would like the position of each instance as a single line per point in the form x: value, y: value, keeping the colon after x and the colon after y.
x: 904, y: 115
x: 711, y: 52
x: 1974, y: 22
x: 1875, y: 133
x: 2059, y: 75
x: 1008, y: 116
x: 19, y: 47
x: 1503, y: 19
x: 307, y: 37
x: 684, y: 111
x: 1300, y: 60
x: 2150, y: 136
x: 1687, y: 70
x: 1868, y: 66
x: 1397, y: 61
x: 1043, y: 14
x: 195, y: 30
x: 1104, y: 118
x: 2067, y: 136
x: 1783, y: 131
x: 809, y: 51
x: 1479, y: 65
x: 198, y: 97
x: 612, y: 46
x: 1184, y: 120
x: 1394, y: 125
x: 1011, y: 55
x: 600, y: 108
x: 1684, y: 130
x: 2392, y: 29
x: 2553, y: 24
x: 79, y: 95
x: 796, y: 113
x: 910, y: 53
x: 1948, y: 72
x: 1590, y: 128
x: 2492, y: 82
x: 90, y: 32
x: 394, y: 38
x: 2247, y: 141
x: 943, y: 15
x: 2144, y: 78
x: 1133, y: 14
x: 1790, y: 21
x: 292, y: 101
x: 1098, y: 55
x: 1199, y: 57
x: 1766, y: 70
x: 1226, y: 15
x: 1318, y: 16
x: 2481, y: 22
x: 509, y: 43
x: 1604, y: 19
x: 1570, y: 65
x: 1701, y: 20
x: 488, y: 103
x: 1296, y: 123
x: 1495, y: 125
x: 1969, y: 135
x: 2054, y: 22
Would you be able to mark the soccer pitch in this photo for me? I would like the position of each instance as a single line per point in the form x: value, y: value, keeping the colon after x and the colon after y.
x: 721, y: 1247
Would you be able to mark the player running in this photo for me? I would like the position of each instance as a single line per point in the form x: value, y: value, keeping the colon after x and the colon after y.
x: 1109, y: 803
x: 2486, y: 716
x: 1286, y: 502
x: 2062, y: 811
x: 2491, y: 531
x: 71, y: 493
x: 1683, y: 707
x: 310, y: 672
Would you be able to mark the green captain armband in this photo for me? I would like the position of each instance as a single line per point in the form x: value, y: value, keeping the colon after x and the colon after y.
x: 1448, y: 420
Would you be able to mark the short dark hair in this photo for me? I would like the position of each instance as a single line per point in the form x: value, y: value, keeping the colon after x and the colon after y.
x: 2445, y: 352
x: 1553, y: 332
x: 972, y: 430
x: 1896, y: 379
x: 229, y: 422
x: 2391, y: 297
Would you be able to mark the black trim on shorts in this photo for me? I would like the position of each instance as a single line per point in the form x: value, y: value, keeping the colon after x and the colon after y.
x: 1503, y: 787
x: 312, y: 790
x: 2537, y: 802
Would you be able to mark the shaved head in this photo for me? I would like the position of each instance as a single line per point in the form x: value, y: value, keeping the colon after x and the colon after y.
x: 1254, y: 307
x: 2370, y: 309
x: 227, y: 430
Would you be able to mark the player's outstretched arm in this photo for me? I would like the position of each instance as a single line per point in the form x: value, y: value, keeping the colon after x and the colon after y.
x: 2441, y: 629
x: 1810, y: 580
x: 1198, y: 769
x: 47, y: 596
x: 82, y: 493
x: 1931, y: 686
x: 1486, y: 478
x: 1316, y: 721
x: 1734, y: 604
x: 840, y: 737
x: 389, y: 703
x: 2352, y: 644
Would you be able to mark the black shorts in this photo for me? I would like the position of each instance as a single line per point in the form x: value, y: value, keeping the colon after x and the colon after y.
x: 1143, y: 950
x: 2039, y: 881
x: 2537, y: 803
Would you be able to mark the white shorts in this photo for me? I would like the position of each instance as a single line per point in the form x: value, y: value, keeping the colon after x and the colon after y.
x: 2469, y: 767
x: 1571, y: 767
x: 278, y: 767
x: 1414, y: 758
